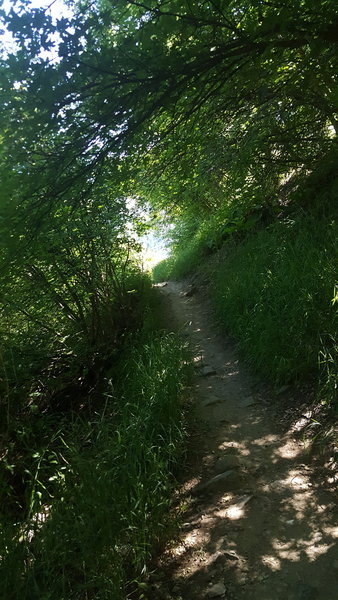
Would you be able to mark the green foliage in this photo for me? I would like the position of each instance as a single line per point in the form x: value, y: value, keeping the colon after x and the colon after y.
x: 162, y: 271
x: 69, y: 293
x: 190, y: 245
x: 196, y: 98
x: 272, y: 284
x: 112, y: 478
x: 273, y: 294
x: 328, y: 365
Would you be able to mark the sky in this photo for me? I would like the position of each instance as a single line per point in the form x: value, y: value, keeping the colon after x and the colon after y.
x: 56, y: 8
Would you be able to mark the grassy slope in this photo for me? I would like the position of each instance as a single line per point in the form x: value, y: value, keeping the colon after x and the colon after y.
x: 273, y: 288
x: 113, y: 479
x: 274, y: 292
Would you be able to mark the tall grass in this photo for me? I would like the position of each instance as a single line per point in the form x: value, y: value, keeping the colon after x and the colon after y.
x: 163, y: 270
x: 181, y: 264
x: 190, y: 251
x: 272, y: 288
x: 115, y: 475
x: 273, y: 292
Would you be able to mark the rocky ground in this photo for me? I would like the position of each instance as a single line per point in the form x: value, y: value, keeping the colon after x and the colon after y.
x: 259, y: 522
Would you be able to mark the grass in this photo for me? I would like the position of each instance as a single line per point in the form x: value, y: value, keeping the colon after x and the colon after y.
x: 188, y: 254
x: 273, y: 292
x: 113, y: 478
x: 273, y: 289
x: 163, y: 270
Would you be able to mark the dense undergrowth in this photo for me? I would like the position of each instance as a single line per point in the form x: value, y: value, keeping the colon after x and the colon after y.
x: 273, y: 284
x: 86, y: 490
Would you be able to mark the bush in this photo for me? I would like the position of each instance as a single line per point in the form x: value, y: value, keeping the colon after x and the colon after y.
x: 112, y: 501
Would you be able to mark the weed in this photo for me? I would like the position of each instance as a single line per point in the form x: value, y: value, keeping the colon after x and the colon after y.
x: 112, y: 480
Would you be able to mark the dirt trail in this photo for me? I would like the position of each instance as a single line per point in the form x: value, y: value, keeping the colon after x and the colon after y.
x: 265, y: 529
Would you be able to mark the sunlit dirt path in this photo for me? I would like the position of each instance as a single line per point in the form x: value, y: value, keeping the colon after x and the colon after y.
x: 265, y: 528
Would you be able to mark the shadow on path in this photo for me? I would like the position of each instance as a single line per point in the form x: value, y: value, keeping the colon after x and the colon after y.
x: 265, y: 528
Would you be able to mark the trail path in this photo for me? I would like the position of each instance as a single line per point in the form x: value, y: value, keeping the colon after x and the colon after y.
x: 265, y: 528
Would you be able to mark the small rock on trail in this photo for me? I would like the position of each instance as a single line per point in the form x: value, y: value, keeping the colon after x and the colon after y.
x: 190, y: 291
x: 224, y: 482
x: 207, y: 371
x: 216, y: 591
x: 210, y: 401
x: 225, y: 463
x: 247, y: 402
x: 307, y: 592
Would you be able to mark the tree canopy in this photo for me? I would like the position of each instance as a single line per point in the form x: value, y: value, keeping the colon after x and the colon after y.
x: 189, y: 87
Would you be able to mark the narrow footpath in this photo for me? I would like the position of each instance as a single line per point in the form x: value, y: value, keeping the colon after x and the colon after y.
x: 259, y: 523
